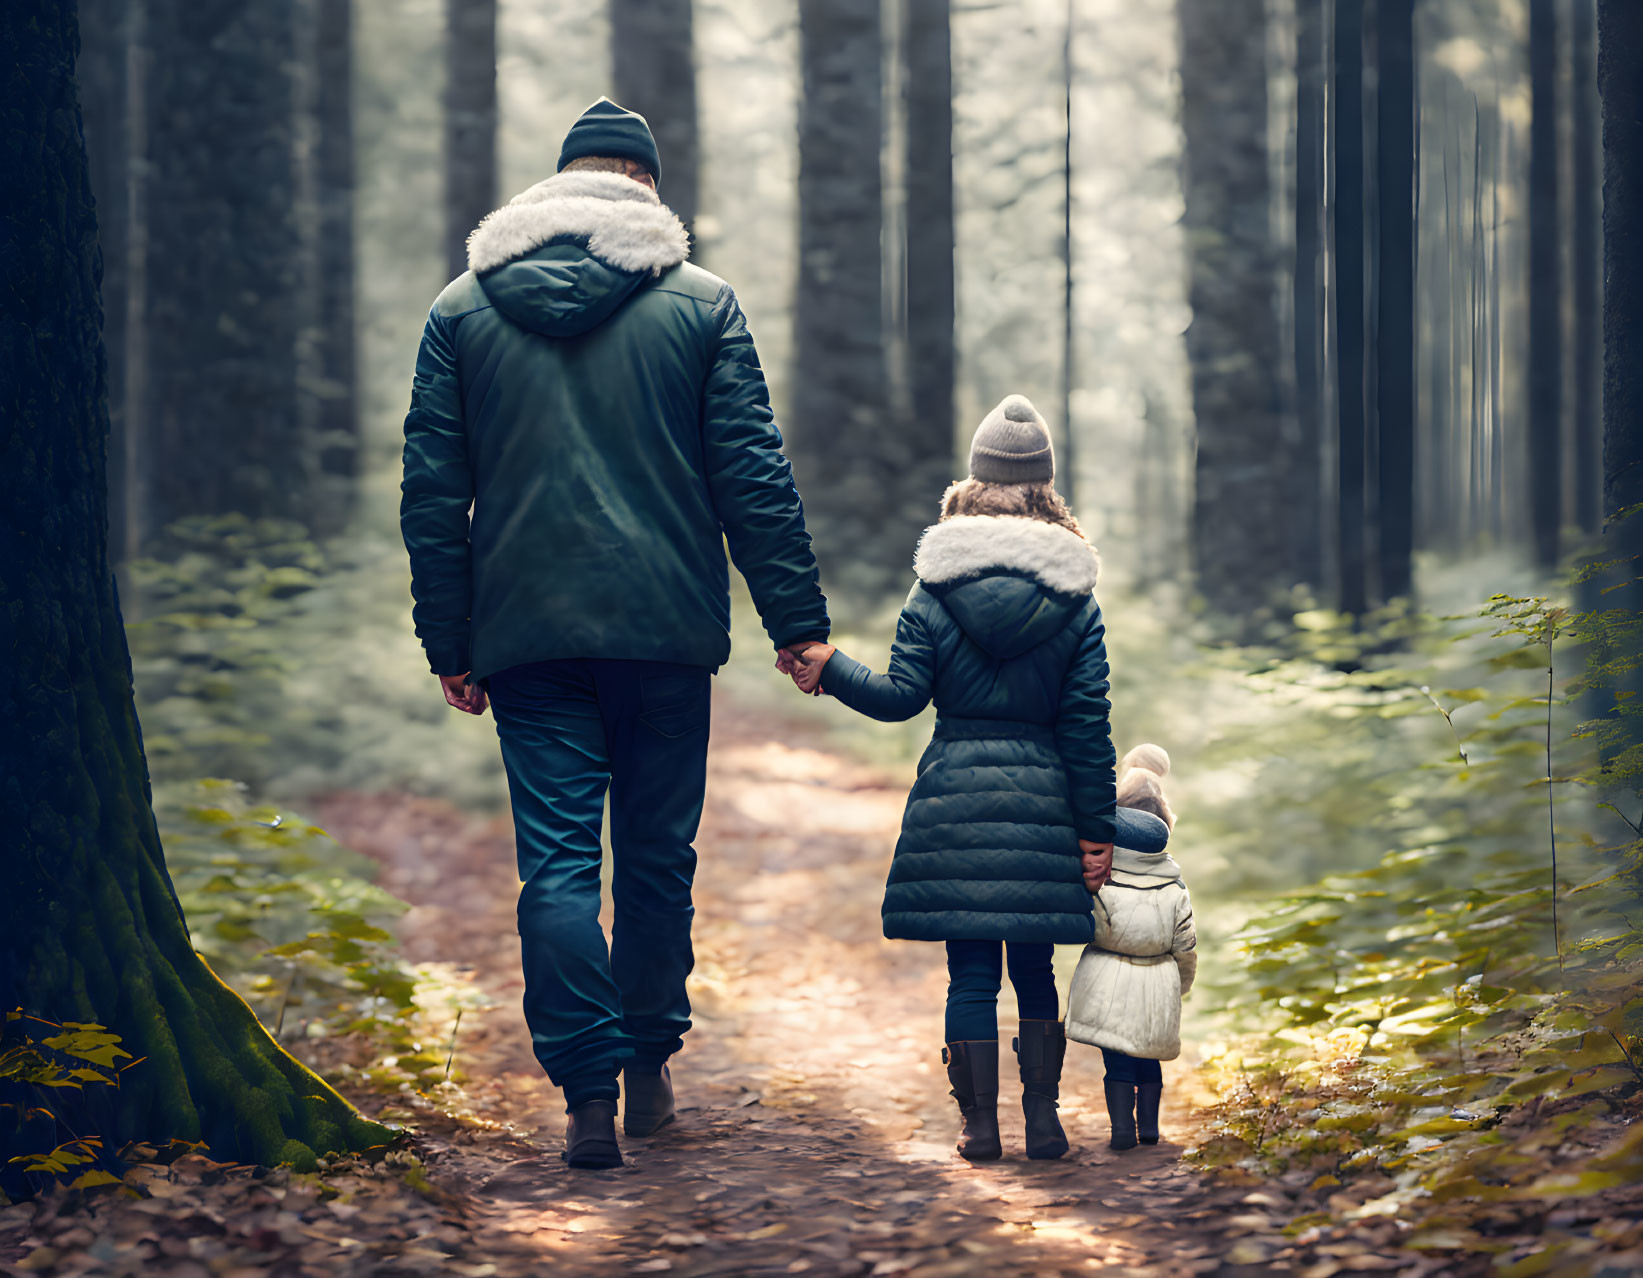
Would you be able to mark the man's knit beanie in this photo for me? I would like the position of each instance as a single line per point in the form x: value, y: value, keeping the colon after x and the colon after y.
x: 1012, y: 445
x: 607, y: 129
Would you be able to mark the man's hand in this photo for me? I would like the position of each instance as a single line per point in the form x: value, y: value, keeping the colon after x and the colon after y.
x: 1097, y: 864
x: 808, y: 675
x: 787, y: 659
x: 467, y: 697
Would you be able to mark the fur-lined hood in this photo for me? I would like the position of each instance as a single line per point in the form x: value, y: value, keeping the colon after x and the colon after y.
x: 624, y: 223
x: 566, y: 255
x: 970, y: 546
x: 1010, y: 582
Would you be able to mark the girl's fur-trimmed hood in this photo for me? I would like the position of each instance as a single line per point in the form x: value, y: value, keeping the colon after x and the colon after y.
x: 625, y: 224
x: 968, y: 546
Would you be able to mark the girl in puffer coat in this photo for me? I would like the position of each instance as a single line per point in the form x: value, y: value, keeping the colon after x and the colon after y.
x: 1003, y: 633
x: 1126, y: 994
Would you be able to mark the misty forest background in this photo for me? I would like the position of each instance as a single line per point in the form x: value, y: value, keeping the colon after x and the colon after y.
x: 1312, y: 294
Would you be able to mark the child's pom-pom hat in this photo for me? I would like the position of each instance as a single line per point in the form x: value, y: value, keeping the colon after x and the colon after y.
x: 1012, y: 445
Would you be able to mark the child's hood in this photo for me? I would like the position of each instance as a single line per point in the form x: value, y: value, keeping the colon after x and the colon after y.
x: 1009, y: 581
x: 1154, y: 868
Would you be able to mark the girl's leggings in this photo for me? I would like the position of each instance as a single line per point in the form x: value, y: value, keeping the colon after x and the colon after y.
x: 1131, y: 1069
x: 974, y: 974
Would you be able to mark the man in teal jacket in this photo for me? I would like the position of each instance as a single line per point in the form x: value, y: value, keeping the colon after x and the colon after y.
x: 589, y: 427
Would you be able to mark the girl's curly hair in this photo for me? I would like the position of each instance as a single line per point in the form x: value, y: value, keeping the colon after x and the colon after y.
x: 1033, y: 501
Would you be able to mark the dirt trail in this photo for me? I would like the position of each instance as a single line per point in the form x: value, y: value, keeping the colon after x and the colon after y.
x: 815, y: 1133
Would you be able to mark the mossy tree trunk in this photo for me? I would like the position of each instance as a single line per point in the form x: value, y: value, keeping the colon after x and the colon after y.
x: 90, y: 928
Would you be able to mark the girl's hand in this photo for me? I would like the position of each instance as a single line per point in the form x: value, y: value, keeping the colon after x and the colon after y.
x: 810, y: 664
x: 1097, y: 864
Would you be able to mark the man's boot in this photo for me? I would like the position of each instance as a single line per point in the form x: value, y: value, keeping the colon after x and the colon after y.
x: 972, y: 1069
x: 1121, y: 1110
x: 1147, y: 1099
x: 647, y: 1101
x: 590, y: 1136
x: 1039, y: 1051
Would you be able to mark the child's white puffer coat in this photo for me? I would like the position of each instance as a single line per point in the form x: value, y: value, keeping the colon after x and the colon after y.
x: 1126, y: 994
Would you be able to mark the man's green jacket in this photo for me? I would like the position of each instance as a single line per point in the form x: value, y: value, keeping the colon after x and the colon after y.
x: 589, y: 425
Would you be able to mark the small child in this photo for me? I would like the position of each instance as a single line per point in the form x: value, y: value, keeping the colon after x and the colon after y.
x: 1126, y: 994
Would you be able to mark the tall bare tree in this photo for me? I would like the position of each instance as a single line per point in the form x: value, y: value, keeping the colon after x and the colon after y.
x: 1250, y: 456
x: 1545, y: 288
x: 1586, y: 270
x: 930, y: 234
x: 90, y: 927
x: 336, y: 418
x: 470, y: 123
x: 223, y: 263
x: 1347, y: 143
x: 1395, y: 145
x: 653, y: 69
x: 840, y: 389
x: 1311, y: 239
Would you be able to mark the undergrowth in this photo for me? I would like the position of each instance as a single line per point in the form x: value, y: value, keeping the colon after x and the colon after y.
x: 1459, y: 1026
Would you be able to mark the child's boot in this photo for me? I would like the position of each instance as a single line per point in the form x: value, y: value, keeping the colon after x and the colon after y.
x: 972, y: 1069
x: 1121, y: 1110
x: 1040, y: 1050
x: 1147, y: 1099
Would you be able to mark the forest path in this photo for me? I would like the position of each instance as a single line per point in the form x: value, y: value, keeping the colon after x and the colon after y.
x: 815, y: 1132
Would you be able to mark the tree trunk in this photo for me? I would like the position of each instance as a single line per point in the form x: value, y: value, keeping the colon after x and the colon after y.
x: 1620, y: 84
x: 1620, y: 81
x: 1395, y: 313
x: 929, y: 230
x: 470, y: 123
x: 653, y: 70
x: 1545, y: 290
x: 1244, y: 553
x: 337, y: 412
x: 223, y: 307
x: 1587, y: 269
x: 90, y: 928
x: 845, y: 453
x: 1351, y: 539
x: 1311, y: 84
x: 104, y: 89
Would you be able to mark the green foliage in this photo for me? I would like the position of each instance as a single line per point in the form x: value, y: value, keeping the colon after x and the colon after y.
x: 293, y: 922
x: 44, y: 1068
x: 1405, y: 1016
x: 292, y: 666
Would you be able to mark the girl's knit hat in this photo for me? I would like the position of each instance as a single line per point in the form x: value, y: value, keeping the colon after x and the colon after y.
x: 1012, y: 445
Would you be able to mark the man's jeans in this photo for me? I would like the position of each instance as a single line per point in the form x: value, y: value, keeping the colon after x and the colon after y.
x: 570, y: 730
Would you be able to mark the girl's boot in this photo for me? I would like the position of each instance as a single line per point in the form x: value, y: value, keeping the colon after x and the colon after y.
x: 1040, y: 1050
x: 972, y: 1069
x: 1147, y: 1098
x: 1121, y: 1110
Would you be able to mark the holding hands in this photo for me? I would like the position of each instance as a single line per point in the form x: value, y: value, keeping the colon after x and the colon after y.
x: 803, y: 662
x: 1097, y: 864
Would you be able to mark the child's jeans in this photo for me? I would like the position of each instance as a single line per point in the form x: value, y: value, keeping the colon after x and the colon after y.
x: 974, y: 974
x: 1131, y: 1069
